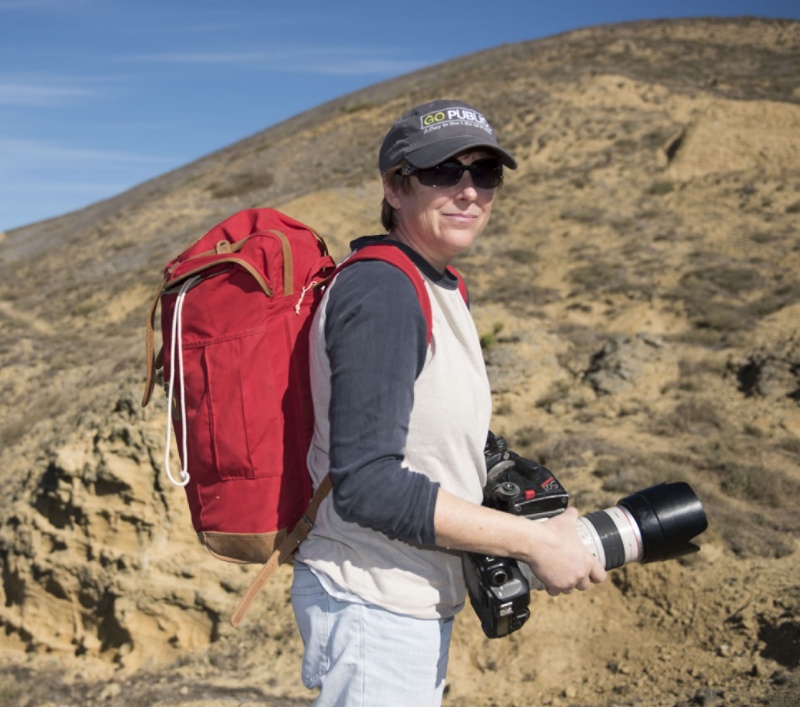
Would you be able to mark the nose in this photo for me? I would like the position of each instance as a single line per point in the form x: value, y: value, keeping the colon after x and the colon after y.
x: 466, y: 188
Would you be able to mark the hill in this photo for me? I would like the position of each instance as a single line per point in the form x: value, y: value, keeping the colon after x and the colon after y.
x: 638, y: 293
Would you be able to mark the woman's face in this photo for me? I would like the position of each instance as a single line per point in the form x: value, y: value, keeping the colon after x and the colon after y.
x: 440, y: 222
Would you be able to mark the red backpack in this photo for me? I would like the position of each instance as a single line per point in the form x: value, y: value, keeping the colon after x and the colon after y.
x: 236, y: 309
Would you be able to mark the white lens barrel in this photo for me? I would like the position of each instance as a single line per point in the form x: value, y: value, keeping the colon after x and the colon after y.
x: 612, y: 536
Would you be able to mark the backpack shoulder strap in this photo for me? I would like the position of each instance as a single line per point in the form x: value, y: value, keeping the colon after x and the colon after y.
x: 388, y: 253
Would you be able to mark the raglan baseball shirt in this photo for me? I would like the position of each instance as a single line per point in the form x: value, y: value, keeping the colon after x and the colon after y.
x: 395, y: 420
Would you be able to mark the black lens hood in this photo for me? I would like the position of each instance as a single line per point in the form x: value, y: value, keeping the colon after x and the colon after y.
x: 669, y: 517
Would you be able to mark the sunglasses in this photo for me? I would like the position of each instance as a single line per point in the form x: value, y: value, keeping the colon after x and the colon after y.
x: 486, y: 173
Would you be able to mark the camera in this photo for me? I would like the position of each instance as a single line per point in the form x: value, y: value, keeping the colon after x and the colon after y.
x: 651, y: 525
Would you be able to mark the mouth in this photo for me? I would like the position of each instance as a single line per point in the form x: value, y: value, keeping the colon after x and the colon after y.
x: 462, y: 217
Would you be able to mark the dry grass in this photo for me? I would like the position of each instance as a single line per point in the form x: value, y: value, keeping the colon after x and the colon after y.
x: 594, y: 238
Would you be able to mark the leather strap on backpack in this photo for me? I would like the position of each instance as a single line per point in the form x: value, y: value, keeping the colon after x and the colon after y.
x: 152, y: 361
x: 284, y: 551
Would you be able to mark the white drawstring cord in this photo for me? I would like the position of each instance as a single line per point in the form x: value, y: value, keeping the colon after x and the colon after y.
x: 177, y: 327
x: 308, y: 287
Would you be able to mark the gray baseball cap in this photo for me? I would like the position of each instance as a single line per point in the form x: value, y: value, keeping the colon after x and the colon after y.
x: 433, y: 132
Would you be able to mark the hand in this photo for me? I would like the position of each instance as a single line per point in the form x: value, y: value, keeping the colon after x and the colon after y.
x: 558, y: 557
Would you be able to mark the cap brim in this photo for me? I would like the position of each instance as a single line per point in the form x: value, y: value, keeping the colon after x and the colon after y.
x: 438, y: 152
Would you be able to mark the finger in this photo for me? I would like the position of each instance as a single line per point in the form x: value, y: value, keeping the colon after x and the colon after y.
x: 571, y: 512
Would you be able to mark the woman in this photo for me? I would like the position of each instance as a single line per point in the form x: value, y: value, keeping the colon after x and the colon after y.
x: 401, y: 426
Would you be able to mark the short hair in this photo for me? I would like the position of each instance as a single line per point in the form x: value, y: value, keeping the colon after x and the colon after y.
x: 401, y: 182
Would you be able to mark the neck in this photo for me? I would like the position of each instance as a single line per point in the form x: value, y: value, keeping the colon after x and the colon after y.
x: 398, y: 234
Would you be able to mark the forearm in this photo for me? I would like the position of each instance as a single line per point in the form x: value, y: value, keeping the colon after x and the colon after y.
x: 462, y: 525
x: 552, y: 549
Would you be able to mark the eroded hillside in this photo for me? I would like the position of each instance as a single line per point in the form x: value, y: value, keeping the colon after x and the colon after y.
x: 638, y: 295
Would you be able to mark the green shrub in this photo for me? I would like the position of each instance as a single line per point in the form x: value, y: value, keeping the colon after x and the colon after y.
x: 660, y: 188
x: 488, y: 340
x: 240, y: 184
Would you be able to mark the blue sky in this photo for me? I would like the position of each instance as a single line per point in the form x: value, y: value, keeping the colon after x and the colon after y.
x: 97, y: 96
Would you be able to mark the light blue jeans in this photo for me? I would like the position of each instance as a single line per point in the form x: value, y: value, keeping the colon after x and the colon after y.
x: 364, y: 656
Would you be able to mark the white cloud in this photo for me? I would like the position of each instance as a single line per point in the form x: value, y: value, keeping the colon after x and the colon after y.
x: 62, y: 5
x: 331, y: 60
x: 38, y: 152
x: 32, y: 94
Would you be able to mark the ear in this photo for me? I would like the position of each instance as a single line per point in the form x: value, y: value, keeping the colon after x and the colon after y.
x: 390, y: 193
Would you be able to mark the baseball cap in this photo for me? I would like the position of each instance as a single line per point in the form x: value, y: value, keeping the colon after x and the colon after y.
x: 435, y: 131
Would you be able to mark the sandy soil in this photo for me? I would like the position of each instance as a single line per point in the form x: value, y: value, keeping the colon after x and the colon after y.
x: 638, y: 296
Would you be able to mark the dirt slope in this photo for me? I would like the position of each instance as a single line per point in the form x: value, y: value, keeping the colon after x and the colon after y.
x: 638, y: 293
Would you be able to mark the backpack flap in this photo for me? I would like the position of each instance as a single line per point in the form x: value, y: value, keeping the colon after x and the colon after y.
x: 267, y: 243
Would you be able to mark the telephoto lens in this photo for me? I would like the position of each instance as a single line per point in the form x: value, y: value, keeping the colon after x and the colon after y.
x: 655, y: 524
x: 652, y: 525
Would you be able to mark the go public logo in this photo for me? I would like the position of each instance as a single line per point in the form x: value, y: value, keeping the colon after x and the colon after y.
x: 454, y: 116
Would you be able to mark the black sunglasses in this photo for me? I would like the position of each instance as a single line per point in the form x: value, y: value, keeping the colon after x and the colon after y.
x: 486, y: 173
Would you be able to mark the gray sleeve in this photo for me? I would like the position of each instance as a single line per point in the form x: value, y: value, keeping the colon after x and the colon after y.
x: 375, y: 336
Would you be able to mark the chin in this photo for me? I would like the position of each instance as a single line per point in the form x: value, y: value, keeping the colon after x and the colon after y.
x: 459, y: 240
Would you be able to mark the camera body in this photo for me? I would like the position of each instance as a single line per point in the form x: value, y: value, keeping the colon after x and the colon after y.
x: 655, y: 524
x: 499, y: 589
